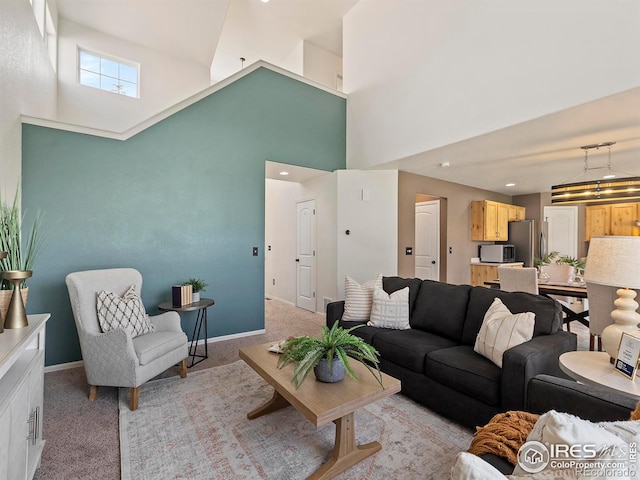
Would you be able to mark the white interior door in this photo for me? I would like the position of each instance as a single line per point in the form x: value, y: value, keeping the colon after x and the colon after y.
x: 306, y: 255
x: 562, y: 229
x: 427, y: 240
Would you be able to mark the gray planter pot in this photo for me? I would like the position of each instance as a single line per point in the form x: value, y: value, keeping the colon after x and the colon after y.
x: 323, y: 374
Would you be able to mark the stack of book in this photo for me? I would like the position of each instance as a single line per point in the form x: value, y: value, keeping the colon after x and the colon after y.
x: 181, y: 295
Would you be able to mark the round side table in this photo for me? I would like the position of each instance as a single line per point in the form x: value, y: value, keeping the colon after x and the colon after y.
x: 201, y: 320
x: 594, y: 368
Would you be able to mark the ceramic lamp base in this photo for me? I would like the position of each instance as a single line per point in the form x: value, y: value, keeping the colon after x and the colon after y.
x: 626, y: 319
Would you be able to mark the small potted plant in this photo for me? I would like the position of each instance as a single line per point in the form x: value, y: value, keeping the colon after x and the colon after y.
x: 197, y: 286
x: 328, y: 355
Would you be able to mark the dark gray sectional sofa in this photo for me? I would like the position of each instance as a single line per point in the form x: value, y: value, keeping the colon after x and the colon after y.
x: 435, y: 360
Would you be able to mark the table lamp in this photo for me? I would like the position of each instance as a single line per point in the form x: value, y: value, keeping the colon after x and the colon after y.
x: 615, y: 261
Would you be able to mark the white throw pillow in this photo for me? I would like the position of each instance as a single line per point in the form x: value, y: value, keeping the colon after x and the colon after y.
x: 390, y: 311
x: 502, y: 330
x: 471, y: 467
x: 611, y: 440
x: 123, y: 312
x: 358, y: 298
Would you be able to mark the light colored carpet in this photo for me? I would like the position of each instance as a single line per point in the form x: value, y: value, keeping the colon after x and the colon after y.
x: 197, y: 429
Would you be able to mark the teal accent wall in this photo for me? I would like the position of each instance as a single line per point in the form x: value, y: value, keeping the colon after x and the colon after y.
x: 184, y: 198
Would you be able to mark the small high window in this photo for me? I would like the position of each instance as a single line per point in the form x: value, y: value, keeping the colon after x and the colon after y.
x: 107, y: 74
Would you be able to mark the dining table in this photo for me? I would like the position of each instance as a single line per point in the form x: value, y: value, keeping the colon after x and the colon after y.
x: 563, y: 290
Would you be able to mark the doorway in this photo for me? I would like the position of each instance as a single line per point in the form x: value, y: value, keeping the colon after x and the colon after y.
x: 562, y: 230
x: 306, y: 255
x: 427, y: 239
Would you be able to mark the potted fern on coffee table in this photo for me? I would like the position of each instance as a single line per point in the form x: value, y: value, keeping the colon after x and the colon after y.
x: 329, y: 355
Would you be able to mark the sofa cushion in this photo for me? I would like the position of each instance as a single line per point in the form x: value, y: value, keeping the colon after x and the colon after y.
x: 408, y: 348
x: 364, y: 332
x: 390, y: 310
x: 393, y: 284
x: 441, y: 308
x: 462, y: 369
x: 548, y: 311
x: 151, y: 346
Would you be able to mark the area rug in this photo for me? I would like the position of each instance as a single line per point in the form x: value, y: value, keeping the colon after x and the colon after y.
x: 196, y: 428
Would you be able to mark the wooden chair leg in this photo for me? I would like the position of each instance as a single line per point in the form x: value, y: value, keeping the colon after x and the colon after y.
x: 93, y: 392
x: 183, y: 368
x: 134, y: 398
x: 592, y: 342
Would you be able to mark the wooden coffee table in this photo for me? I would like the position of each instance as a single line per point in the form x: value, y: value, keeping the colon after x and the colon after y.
x: 322, y: 403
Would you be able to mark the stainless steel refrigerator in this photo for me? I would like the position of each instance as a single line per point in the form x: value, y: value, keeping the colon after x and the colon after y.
x: 523, y: 236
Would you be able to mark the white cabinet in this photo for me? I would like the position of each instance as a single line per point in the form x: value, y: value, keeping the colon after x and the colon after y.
x: 21, y: 398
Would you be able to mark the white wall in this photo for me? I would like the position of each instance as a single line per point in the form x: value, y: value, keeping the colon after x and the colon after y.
x: 321, y: 66
x: 164, y: 81
x: 280, y: 235
x: 422, y: 74
x: 324, y: 190
x: 368, y: 208
x: 27, y: 85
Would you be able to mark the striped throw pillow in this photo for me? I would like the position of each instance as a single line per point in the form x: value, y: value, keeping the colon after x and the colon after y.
x: 502, y: 330
x: 358, y: 299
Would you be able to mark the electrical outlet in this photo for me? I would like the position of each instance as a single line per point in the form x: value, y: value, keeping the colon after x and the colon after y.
x: 255, y: 251
x: 450, y: 249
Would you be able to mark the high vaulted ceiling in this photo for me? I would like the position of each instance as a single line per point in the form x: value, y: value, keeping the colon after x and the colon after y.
x: 217, y: 33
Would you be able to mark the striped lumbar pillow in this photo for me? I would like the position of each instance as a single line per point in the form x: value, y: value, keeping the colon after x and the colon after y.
x: 358, y: 299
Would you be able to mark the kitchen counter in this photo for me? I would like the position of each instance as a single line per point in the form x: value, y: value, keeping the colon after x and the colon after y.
x: 496, y: 264
x: 484, y: 271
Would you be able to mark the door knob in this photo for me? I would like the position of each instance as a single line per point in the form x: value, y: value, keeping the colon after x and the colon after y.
x: 297, y: 259
x: 433, y: 262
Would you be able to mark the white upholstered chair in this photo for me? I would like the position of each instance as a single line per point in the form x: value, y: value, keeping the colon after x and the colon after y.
x: 115, y: 358
x: 518, y: 279
x: 558, y: 273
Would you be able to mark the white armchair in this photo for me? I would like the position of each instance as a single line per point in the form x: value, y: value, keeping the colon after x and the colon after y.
x: 115, y: 358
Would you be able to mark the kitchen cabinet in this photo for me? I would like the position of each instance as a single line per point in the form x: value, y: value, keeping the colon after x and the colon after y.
x: 612, y: 219
x: 481, y: 272
x: 21, y: 398
x: 489, y: 220
x: 516, y: 213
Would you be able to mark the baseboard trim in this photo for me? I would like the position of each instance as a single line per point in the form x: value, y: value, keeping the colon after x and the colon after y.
x: 232, y: 336
x: 63, y: 366
x: 271, y: 297
x: 80, y: 363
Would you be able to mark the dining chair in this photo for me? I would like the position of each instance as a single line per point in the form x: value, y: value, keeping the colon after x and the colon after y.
x: 518, y: 279
x: 561, y: 273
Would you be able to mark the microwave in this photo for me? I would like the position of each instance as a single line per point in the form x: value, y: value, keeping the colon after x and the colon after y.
x: 497, y: 253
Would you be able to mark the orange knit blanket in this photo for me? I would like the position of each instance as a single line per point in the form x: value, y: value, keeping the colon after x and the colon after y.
x: 503, y: 435
x: 506, y: 432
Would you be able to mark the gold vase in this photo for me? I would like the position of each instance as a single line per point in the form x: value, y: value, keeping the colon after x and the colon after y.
x: 16, y: 315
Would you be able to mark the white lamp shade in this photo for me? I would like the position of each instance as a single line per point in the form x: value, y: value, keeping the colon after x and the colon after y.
x: 614, y: 260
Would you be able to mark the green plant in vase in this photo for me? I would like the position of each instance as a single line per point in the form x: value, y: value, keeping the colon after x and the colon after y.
x: 197, y: 286
x: 20, y: 256
x: 335, y: 346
